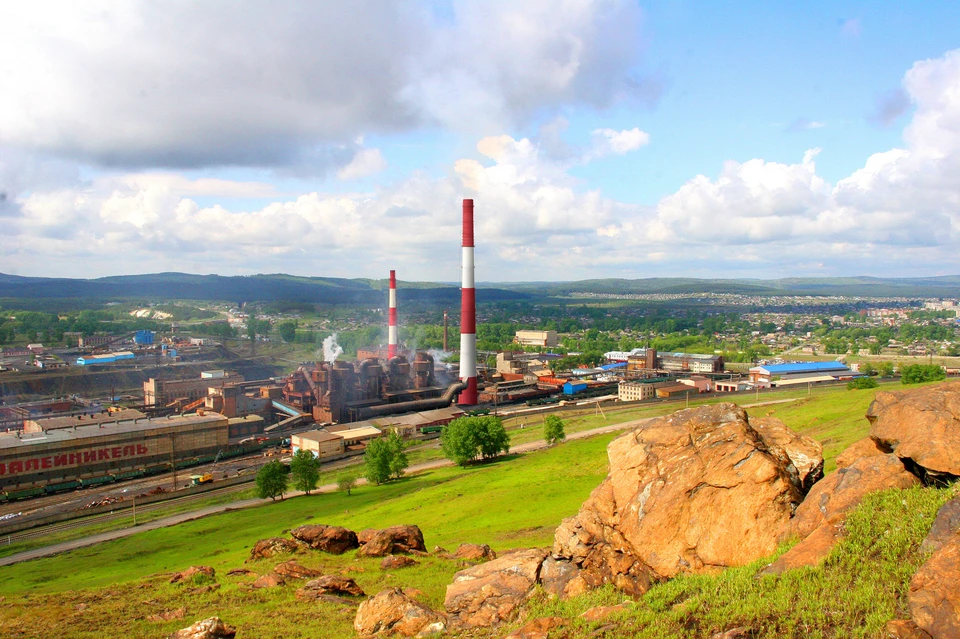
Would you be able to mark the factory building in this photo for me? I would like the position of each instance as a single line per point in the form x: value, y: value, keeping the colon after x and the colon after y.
x: 113, y: 448
x: 649, y: 359
x: 543, y: 339
x: 800, y: 373
x: 41, y: 424
x: 160, y: 392
x: 108, y: 358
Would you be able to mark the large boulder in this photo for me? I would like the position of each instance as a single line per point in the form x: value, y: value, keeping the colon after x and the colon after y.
x: 393, y: 611
x: 266, y: 548
x: 474, y: 552
x: 292, y: 570
x: 934, y: 598
x: 330, y: 585
x: 920, y: 425
x: 212, y: 628
x: 859, y: 449
x: 333, y: 539
x: 835, y: 495
x: 393, y: 540
x: 945, y: 527
x: 489, y: 593
x: 698, y: 490
x: 392, y: 562
x: 804, y: 454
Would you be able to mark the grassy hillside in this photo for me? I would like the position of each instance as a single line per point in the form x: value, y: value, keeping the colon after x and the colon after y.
x: 515, y: 502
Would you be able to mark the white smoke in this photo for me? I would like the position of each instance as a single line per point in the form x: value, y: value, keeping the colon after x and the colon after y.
x: 331, y: 350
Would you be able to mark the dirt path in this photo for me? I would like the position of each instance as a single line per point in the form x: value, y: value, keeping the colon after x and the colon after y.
x: 83, y: 542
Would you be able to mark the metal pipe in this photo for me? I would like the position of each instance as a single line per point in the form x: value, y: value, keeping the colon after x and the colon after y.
x: 392, y: 317
x: 468, y: 311
x: 415, y: 405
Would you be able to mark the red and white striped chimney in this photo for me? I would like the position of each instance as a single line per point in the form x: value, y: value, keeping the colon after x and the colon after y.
x: 392, y: 318
x: 468, y: 312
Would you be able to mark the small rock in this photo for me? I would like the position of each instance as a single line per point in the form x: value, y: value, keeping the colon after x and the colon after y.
x: 269, y: 580
x: 329, y: 585
x: 333, y: 539
x: 392, y: 611
x: 204, y: 589
x: 168, y: 615
x: 266, y: 548
x: 191, y: 572
x: 392, y: 562
x: 433, y: 629
x: 439, y: 550
x: 537, y: 628
x: 212, y: 628
x: 292, y: 570
x: 599, y: 613
x: 904, y: 629
x: 734, y: 633
x: 239, y: 572
x: 475, y: 552
x: 80, y: 607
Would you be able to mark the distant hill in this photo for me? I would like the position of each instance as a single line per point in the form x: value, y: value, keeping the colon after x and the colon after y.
x: 943, y: 286
x: 252, y: 288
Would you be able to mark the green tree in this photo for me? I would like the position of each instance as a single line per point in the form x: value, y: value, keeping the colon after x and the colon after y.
x: 271, y: 481
x: 918, y: 373
x: 346, y: 481
x: 885, y: 369
x: 868, y: 369
x: 398, y: 455
x: 377, y: 460
x: 553, y: 429
x: 862, y: 383
x: 468, y: 438
x: 288, y: 331
x: 305, y: 470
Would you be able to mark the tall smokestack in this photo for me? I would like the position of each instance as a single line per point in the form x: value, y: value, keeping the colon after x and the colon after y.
x: 392, y: 318
x: 468, y: 312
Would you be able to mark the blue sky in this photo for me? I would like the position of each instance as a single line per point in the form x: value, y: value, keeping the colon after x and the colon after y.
x: 599, y: 138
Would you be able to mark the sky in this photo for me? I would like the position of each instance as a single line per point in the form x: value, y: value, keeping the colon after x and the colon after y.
x: 598, y: 138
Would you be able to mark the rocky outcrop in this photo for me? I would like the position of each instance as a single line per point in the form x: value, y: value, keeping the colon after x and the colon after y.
x: 188, y: 575
x: 562, y: 578
x: 809, y: 552
x: 393, y: 611
x: 945, y: 527
x: 904, y: 629
x: 292, y: 570
x: 919, y: 427
x: 212, y: 628
x: 269, y: 580
x: 266, y: 548
x: 392, y: 562
x: 474, y: 552
x: 537, y: 628
x: 934, y: 598
x: 490, y: 593
x: 393, y: 540
x: 804, y: 454
x: 839, y: 492
x: 330, y: 585
x: 861, y: 448
x: 333, y: 539
x: 697, y: 490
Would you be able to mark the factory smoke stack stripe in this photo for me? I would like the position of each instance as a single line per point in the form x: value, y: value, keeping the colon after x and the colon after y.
x: 392, y: 318
x: 468, y: 312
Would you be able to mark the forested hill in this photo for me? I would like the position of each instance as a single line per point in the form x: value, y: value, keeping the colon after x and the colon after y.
x: 252, y: 288
x: 943, y: 286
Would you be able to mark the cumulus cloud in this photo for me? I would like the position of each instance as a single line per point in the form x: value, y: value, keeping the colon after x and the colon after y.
x: 216, y: 83
x: 365, y: 163
x: 618, y: 142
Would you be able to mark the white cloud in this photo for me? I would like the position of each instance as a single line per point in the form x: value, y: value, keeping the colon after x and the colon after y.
x: 619, y: 142
x: 365, y: 163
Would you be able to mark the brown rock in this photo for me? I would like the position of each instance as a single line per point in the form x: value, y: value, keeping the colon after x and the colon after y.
x: 474, y: 552
x: 191, y: 572
x: 168, y: 615
x: 561, y: 577
x: 330, y: 585
x: 266, y: 548
x: 392, y: 611
x: 691, y: 492
x: 491, y: 592
x: 945, y: 527
x: 538, y: 628
x: 439, y: 550
x: 904, y: 629
x: 920, y: 425
x: 212, y: 628
x: 934, y: 598
x: 392, y: 562
x: 809, y: 552
x: 366, y: 535
x: 332, y: 539
x: 292, y: 570
x: 804, y: 453
x: 269, y: 580
x: 201, y: 590
x: 734, y: 633
x: 599, y: 613
x: 239, y: 572
x: 865, y: 447
x: 839, y: 492
x: 396, y: 539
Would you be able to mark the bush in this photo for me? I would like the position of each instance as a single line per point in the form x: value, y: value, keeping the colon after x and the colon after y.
x: 553, y: 429
x: 918, y: 373
x: 468, y: 438
x: 346, y: 482
x: 271, y: 481
x: 305, y: 470
x: 862, y: 383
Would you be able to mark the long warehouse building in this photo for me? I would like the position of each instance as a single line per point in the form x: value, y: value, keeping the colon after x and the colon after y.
x: 85, y: 452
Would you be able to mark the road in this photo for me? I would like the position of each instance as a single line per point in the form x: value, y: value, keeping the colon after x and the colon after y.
x: 83, y: 542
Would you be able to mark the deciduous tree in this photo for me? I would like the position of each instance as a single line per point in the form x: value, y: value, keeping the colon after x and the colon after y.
x: 271, y: 481
x: 305, y: 470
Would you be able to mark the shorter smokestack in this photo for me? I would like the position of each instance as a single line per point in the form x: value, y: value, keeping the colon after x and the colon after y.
x: 468, y: 311
x: 392, y: 318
